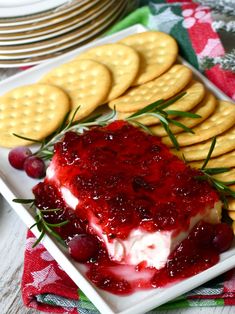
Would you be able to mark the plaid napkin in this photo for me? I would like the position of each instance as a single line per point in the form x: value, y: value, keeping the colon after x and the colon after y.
x: 45, y: 286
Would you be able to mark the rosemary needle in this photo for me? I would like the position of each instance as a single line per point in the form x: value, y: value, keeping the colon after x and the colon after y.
x: 157, y: 109
x: 207, y: 174
x: 42, y: 225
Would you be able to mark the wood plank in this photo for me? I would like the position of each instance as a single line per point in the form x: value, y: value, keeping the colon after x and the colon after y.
x: 12, y: 235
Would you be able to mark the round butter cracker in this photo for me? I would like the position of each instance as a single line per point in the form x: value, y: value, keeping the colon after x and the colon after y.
x: 164, y: 87
x: 231, y: 204
x: 232, y: 187
x: 85, y: 81
x: 195, y: 92
x: 228, y: 176
x: 224, y: 143
x: 221, y: 120
x: 204, y: 110
x: 230, y: 212
x: 32, y: 111
x: 122, y: 62
x: 157, y: 51
x: 225, y: 160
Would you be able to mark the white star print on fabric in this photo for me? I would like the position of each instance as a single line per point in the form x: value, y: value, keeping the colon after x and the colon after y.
x: 44, y: 277
x: 213, y: 48
x: 165, y: 21
x: 30, y: 242
x: 46, y: 256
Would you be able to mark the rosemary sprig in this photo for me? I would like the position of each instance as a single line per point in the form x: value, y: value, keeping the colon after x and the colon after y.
x: 46, y: 148
x: 221, y: 186
x: 42, y: 225
x: 78, y: 126
x: 157, y: 110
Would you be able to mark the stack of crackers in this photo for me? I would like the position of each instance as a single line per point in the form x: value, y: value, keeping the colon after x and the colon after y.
x: 127, y: 75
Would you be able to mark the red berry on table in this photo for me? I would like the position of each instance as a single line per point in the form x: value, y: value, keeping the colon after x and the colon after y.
x: 35, y: 167
x: 83, y: 247
x: 223, y: 237
x: 18, y: 155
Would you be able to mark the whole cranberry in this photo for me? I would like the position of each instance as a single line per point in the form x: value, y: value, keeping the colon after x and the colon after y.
x: 18, y: 155
x: 223, y: 237
x: 35, y: 167
x: 203, y: 233
x: 83, y: 247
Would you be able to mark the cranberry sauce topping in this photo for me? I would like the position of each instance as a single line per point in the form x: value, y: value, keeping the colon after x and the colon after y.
x: 128, y: 179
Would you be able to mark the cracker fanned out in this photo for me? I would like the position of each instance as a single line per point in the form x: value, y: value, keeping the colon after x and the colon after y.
x: 165, y: 86
x: 220, y: 121
x: 195, y: 92
x: 122, y: 61
x: 86, y: 82
x: 157, y: 51
x: 225, y: 160
x: 204, y: 110
x: 225, y: 143
x: 32, y: 111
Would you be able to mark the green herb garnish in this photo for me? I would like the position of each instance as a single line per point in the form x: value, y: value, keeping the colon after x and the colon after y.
x: 157, y: 110
x: 42, y: 225
x: 47, y: 145
x: 23, y: 201
x: 221, y: 186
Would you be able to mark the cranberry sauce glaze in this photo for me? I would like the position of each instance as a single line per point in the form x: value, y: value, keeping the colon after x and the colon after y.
x: 128, y: 179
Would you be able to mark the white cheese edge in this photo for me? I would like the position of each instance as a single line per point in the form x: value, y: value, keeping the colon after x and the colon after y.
x: 153, y: 248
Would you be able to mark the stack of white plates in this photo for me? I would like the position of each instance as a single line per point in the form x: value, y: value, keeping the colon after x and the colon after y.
x: 32, y: 31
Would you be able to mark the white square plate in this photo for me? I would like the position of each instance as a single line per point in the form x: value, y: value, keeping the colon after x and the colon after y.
x: 15, y: 184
